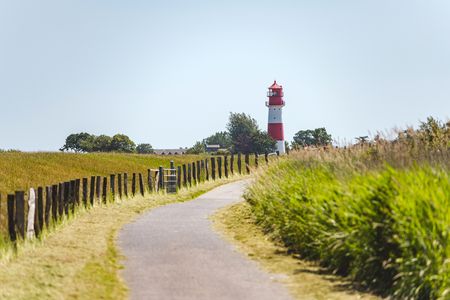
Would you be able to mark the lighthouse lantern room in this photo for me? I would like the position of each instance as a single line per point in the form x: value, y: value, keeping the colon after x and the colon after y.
x: 275, y: 122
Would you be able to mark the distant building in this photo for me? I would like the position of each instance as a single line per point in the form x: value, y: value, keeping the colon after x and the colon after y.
x: 212, y: 148
x: 179, y: 151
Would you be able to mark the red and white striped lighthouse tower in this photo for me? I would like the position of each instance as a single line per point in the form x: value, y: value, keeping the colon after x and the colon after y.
x: 275, y: 105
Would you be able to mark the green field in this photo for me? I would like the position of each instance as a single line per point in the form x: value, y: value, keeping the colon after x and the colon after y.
x: 379, y: 214
x: 21, y: 170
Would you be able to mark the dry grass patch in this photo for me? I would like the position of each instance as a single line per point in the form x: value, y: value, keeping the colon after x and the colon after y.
x: 304, y: 279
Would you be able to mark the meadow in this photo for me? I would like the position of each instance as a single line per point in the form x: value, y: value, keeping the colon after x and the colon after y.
x: 377, y: 213
x: 22, y: 170
x: 63, y: 262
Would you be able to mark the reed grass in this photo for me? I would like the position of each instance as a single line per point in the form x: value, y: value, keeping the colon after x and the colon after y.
x: 377, y: 213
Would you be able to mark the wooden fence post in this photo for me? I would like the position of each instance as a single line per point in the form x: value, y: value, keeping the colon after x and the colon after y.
x: 31, y: 213
x: 54, y: 190
x: 39, y: 211
x: 256, y: 160
x: 179, y: 177
x: 92, y: 191
x: 278, y: 153
x: 219, y: 166
x: 119, y: 184
x: 72, y: 195
x: 149, y: 180
x: 47, y: 206
x: 161, y: 178
x: 20, y: 213
x: 112, y: 186
x: 51, y: 198
x: 189, y: 175
x: 156, y: 181
x: 141, y: 184
x: 85, y: 192
x: 77, y: 191
x: 239, y: 163
x: 66, y: 197
x: 125, y: 184
x: 266, y: 157
x: 105, y: 189
x: 184, y: 175
x: 194, y: 172
x: 247, y: 163
x: 11, y: 224
x: 60, y: 200
x: 206, y: 169
x: 232, y: 164
x: 98, y: 187
x: 133, y: 184
x: 213, y: 168
x: 225, y: 165
x: 199, y: 175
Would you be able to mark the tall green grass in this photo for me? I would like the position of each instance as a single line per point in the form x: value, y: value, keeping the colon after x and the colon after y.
x: 378, y: 215
x: 388, y: 229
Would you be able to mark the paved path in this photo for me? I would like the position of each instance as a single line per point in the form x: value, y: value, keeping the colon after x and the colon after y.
x: 173, y: 253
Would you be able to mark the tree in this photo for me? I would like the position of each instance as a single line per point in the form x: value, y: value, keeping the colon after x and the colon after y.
x: 144, y: 149
x: 246, y: 137
x: 198, y: 148
x: 122, y: 143
x: 102, y: 143
x: 221, y: 138
x: 79, y: 142
x: 316, y: 137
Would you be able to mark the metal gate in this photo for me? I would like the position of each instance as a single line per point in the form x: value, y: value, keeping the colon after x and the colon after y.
x: 170, y: 180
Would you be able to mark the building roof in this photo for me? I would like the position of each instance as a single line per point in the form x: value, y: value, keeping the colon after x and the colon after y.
x: 169, y: 151
x: 275, y: 85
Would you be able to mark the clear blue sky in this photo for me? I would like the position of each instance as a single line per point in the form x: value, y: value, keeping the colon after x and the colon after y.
x: 170, y: 72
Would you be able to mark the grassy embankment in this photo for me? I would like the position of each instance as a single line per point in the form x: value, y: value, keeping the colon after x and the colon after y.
x: 20, y: 171
x: 305, y: 280
x: 378, y: 214
x: 78, y: 259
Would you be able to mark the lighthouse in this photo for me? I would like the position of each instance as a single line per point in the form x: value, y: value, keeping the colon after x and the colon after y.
x: 275, y: 105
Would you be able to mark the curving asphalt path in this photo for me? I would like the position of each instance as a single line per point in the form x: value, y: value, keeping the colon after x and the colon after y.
x: 173, y: 253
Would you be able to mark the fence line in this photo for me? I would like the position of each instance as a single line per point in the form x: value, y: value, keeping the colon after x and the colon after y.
x: 58, y: 201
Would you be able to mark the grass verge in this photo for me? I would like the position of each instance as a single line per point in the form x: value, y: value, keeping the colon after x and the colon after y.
x: 79, y: 259
x: 305, y: 280
x: 387, y: 229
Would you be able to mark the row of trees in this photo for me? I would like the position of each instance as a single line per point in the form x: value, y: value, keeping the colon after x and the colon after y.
x: 242, y: 135
x: 85, y: 142
x: 317, y: 137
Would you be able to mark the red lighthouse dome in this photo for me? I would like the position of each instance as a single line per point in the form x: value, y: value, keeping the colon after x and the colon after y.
x: 275, y: 94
